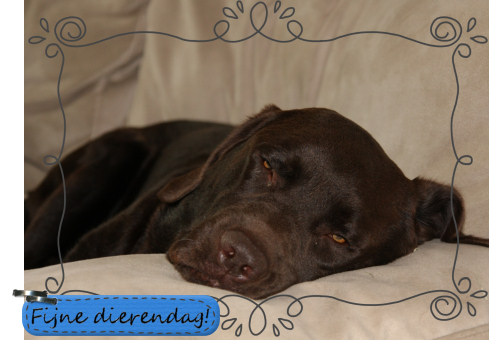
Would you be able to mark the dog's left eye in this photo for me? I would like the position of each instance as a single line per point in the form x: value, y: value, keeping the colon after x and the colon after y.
x: 266, y: 164
x: 338, y: 239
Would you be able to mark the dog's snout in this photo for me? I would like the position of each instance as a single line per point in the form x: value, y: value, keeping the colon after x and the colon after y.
x: 241, y: 257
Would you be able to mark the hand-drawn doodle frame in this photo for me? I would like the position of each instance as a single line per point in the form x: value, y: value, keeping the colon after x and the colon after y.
x: 72, y: 29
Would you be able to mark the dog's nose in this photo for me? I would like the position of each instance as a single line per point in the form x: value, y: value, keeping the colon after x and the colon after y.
x: 241, y: 257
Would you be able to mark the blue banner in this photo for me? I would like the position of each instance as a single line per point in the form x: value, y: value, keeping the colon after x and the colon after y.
x: 123, y: 315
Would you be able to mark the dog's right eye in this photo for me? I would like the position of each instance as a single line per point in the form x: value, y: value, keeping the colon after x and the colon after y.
x: 272, y: 176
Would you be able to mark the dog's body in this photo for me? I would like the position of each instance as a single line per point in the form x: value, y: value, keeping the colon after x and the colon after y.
x: 286, y: 197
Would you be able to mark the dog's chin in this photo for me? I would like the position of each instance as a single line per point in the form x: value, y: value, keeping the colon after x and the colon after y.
x: 223, y: 281
x: 192, y: 274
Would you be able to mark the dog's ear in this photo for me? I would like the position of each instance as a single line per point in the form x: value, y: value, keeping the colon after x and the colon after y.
x: 434, y: 217
x: 181, y: 186
x: 267, y: 109
x: 433, y: 214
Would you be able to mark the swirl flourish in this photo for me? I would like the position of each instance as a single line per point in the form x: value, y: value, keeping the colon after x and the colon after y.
x: 450, y: 302
x: 442, y: 21
x: 70, y: 29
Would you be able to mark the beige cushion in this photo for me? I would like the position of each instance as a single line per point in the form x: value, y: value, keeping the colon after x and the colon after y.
x: 320, y: 318
x: 401, y: 91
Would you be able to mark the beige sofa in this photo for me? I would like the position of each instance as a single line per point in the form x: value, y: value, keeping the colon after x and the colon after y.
x: 396, y: 73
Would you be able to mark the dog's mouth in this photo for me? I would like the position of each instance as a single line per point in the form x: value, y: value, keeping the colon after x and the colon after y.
x: 220, y: 280
x: 192, y: 274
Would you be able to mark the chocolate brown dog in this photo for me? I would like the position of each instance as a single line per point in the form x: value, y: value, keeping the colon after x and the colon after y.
x: 286, y: 197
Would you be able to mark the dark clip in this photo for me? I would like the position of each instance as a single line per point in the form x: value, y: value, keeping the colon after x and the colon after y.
x: 34, y: 296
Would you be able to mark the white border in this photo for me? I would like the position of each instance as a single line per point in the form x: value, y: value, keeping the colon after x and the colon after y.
x: 12, y: 149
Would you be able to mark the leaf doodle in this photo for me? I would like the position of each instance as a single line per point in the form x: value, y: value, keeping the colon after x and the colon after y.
x: 228, y: 12
x: 239, y: 4
x: 238, y: 330
x: 471, y: 309
x: 227, y: 324
x: 276, y: 331
x: 277, y: 6
x: 479, y: 39
x: 286, y: 323
x: 36, y: 39
x: 44, y: 24
x: 471, y: 24
x: 287, y: 13
x: 480, y: 294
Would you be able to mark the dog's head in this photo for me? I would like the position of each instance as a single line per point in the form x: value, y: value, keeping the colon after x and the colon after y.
x: 295, y: 195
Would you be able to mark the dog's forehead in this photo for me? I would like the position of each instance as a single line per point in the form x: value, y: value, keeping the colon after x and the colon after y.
x: 323, y: 139
x: 323, y: 129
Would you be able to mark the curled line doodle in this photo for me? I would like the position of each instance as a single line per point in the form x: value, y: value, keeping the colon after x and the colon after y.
x: 52, y: 50
x: 434, y: 306
x: 51, y: 278
x: 462, y: 160
x: 78, y: 24
x: 257, y: 306
x: 57, y: 160
x: 447, y: 297
x: 433, y: 29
